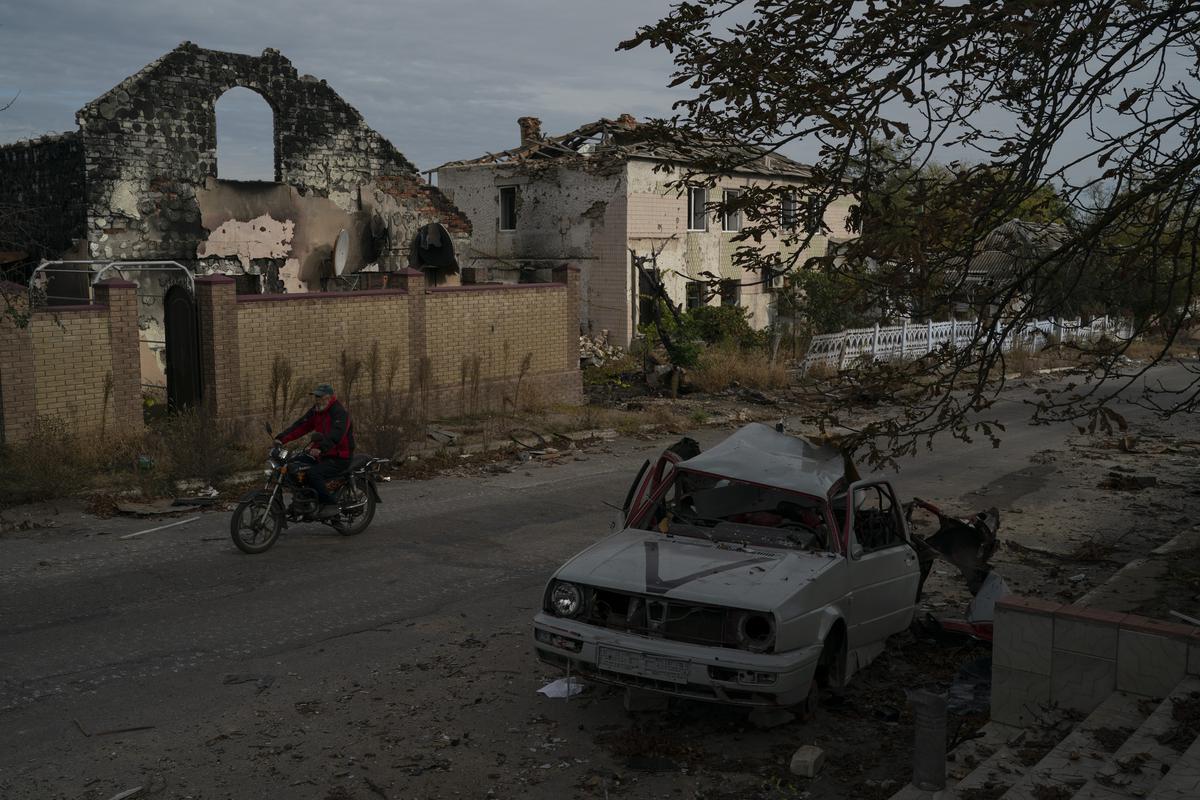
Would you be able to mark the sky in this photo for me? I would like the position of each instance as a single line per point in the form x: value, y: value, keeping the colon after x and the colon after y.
x: 442, y: 79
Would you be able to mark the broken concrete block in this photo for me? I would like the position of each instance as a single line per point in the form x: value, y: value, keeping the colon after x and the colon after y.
x: 763, y: 718
x: 638, y: 700
x: 807, y: 761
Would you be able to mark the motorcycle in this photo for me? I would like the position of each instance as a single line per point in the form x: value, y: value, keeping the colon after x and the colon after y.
x: 261, y: 515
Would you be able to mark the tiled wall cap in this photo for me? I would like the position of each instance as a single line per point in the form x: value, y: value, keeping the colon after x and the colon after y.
x: 1085, y: 614
x: 1133, y: 622
x: 117, y: 283
x: 568, y: 268
x: 408, y: 271
x: 10, y: 287
x: 214, y: 279
x: 1029, y: 605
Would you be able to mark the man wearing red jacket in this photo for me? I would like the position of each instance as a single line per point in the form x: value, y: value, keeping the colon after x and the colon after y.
x: 332, y: 444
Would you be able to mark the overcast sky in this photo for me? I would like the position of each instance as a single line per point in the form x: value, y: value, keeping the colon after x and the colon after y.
x: 442, y: 79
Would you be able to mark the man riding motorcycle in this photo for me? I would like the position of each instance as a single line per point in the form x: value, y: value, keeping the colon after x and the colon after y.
x: 332, y: 444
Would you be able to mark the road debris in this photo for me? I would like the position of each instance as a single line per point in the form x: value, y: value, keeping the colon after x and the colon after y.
x: 160, y: 528
x: 562, y: 688
x: 807, y: 761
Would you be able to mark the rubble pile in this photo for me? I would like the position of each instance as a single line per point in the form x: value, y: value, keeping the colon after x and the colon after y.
x: 596, y: 351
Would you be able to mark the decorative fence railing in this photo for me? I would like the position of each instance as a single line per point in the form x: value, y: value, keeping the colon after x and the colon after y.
x: 914, y: 339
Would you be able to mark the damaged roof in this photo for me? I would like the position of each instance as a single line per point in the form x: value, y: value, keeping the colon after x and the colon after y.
x: 760, y: 454
x: 1012, y: 246
x: 625, y: 138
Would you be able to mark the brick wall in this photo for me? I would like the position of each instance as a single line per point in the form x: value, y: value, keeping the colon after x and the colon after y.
x: 311, y: 332
x: 41, y: 190
x: 78, y: 364
x: 433, y: 336
x: 460, y: 349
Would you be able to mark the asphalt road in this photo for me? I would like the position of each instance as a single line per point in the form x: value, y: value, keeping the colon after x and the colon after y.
x: 100, y: 633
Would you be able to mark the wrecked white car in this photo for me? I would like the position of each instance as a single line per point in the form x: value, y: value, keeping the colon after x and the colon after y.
x: 748, y: 575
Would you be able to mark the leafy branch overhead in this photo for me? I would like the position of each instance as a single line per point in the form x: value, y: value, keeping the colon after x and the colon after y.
x: 1010, y: 160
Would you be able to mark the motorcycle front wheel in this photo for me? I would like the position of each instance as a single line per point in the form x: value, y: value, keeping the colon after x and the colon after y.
x: 255, y: 527
x: 356, y: 507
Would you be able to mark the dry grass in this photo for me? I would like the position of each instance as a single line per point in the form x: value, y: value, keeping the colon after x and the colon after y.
x: 723, y: 365
x: 57, y: 460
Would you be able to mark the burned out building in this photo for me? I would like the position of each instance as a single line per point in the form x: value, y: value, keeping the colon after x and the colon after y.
x: 592, y: 196
x: 138, y: 181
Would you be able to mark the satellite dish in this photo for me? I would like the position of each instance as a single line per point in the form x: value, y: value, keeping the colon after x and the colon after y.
x: 341, y: 249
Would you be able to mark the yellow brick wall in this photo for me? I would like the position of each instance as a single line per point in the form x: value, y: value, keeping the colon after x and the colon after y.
x: 71, y: 359
x: 312, y: 333
x: 502, y: 326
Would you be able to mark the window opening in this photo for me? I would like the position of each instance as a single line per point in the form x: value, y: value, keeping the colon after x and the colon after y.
x: 875, y: 521
x: 697, y: 209
x: 508, y: 208
x: 788, y: 211
x: 731, y: 293
x: 245, y: 137
x: 694, y: 295
x: 731, y: 219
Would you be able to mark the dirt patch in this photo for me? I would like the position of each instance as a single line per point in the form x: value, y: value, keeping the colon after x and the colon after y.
x: 1111, y: 739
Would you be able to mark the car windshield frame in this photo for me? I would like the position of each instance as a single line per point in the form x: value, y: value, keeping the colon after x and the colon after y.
x: 655, y: 518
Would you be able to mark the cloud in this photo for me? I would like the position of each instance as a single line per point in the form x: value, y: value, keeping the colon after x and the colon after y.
x: 443, y: 79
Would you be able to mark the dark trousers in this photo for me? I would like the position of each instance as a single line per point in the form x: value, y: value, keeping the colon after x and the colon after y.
x: 322, y: 471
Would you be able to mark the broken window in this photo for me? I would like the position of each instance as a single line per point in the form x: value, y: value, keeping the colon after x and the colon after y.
x: 694, y: 295
x: 876, y: 522
x: 508, y: 208
x: 812, y: 216
x: 731, y: 219
x: 245, y: 137
x: 789, y: 212
x: 731, y: 293
x: 697, y: 209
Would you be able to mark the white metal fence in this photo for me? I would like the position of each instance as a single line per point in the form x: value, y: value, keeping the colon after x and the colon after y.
x: 915, y: 339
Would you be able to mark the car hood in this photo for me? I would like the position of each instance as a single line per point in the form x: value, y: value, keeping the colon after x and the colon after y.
x: 697, y: 570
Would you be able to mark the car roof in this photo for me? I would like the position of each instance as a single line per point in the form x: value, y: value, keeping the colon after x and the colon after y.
x: 760, y: 454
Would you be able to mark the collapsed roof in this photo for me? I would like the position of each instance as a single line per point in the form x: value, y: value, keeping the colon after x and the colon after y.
x: 625, y: 138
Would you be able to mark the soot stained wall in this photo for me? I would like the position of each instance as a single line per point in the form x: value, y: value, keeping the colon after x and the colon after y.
x: 150, y: 146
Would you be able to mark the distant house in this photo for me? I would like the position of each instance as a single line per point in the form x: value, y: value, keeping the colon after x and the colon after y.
x: 591, y: 196
x: 1010, y: 250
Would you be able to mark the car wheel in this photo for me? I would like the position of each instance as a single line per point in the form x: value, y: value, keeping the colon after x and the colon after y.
x: 831, y: 667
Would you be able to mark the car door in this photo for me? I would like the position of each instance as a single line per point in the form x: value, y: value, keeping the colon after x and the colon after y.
x: 883, y: 567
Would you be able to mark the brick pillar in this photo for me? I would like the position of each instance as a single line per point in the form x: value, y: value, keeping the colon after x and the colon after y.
x: 413, y: 282
x: 18, y: 376
x: 220, y: 362
x: 124, y: 350
x: 569, y: 274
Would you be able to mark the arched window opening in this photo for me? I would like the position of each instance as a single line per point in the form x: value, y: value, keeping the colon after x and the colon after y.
x: 245, y: 137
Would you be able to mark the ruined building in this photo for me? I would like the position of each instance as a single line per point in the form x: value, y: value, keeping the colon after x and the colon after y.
x: 590, y: 197
x: 138, y: 181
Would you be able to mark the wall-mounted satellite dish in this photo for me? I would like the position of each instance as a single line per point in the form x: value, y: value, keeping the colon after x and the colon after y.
x: 341, y: 250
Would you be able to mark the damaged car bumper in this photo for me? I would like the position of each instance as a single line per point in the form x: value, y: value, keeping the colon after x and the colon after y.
x: 696, y: 672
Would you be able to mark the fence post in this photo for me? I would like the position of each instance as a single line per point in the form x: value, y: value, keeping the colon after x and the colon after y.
x: 220, y: 364
x: 904, y: 338
x: 875, y: 342
x: 842, y: 353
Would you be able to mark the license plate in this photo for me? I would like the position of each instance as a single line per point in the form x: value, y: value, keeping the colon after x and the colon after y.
x: 643, y: 665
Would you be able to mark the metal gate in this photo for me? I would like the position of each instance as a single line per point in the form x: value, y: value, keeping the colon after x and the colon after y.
x: 168, y: 332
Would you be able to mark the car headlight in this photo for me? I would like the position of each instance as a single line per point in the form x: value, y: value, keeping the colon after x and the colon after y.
x: 756, y: 631
x: 565, y: 599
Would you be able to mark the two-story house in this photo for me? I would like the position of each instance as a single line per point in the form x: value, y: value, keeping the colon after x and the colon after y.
x: 595, y: 195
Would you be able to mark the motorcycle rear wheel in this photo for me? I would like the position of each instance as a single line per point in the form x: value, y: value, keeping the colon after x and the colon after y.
x: 356, y: 507
x: 251, y: 530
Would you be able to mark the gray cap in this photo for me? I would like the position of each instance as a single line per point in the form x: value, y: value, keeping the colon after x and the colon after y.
x: 324, y: 390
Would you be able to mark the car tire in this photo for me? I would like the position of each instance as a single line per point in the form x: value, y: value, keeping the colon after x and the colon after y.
x: 831, y: 666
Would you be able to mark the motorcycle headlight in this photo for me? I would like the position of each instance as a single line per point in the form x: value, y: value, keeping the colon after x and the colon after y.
x: 565, y: 599
x: 275, y: 463
x: 283, y: 454
x: 756, y: 631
